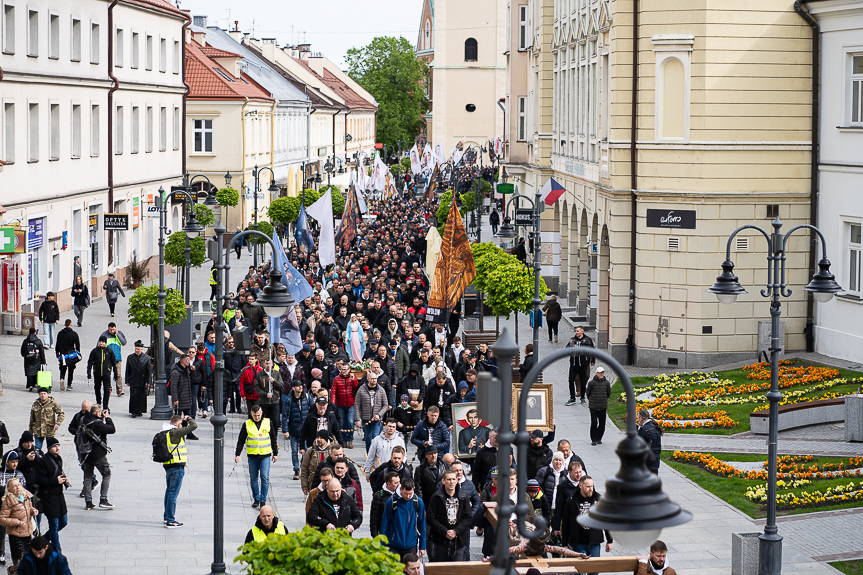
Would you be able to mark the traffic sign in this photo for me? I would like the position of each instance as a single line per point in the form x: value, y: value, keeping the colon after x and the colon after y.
x: 523, y: 217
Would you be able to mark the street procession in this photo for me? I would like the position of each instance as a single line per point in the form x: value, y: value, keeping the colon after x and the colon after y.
x: 430, y: 288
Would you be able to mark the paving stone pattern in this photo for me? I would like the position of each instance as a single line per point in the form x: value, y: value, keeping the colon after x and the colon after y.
x: 132, y: 536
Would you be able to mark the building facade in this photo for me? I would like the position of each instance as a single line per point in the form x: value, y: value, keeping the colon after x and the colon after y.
x: 719, y: 134
x: 91, y: 93
x: 840, y: 172
x: 464, y: 45
x: 229, y: 124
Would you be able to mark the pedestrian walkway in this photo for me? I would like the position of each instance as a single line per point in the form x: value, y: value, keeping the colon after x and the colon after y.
x: 132, y: 538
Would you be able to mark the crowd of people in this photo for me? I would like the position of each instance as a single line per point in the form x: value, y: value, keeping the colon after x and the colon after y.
x: 370, y: 363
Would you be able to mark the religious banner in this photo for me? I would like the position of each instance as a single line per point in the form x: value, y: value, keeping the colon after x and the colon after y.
x: 351, y: 218
x: 455, y: 269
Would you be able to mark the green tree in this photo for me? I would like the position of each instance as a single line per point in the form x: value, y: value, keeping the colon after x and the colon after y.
x: 144, y: 306
x: 204, y: 215
x: 389, y: 70
x: 508, y: 284
x: 227, y: 197
x: 287, y: 210
x: 468, y: 200
x: 265, y: 228
x: 175, y: 250
x: 312, y: 552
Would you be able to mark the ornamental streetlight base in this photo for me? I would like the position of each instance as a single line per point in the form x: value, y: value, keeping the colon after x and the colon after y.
x: 769, y: 554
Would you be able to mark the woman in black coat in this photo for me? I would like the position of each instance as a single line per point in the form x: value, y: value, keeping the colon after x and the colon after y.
x: 49, y: 473
x: 33, y: 353
x: 139, y: 371
x: 80, y: 298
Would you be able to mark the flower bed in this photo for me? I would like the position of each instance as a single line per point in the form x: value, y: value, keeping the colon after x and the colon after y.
x: 723, y: 401
x: 803, y: 482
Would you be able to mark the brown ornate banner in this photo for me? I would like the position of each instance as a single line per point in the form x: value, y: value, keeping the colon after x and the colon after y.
x: 455, y: 269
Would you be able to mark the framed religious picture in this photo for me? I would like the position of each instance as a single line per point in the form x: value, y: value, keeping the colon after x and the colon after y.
x: 540, y: 406
x: 470, y: 431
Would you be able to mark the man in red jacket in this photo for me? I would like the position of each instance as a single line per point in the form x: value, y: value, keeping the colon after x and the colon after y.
x: 247, y: 383
x: 343, y: 393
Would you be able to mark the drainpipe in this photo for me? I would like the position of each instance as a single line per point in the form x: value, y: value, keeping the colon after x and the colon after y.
x: 334, y: 133
x: 273, y: 138
x: 185, y: 94
x: 312, y: 110
x: 243, y: 172
x: 815, y: 158
x: 344, y: 137
x: 633, y: 168
x: 111, y: 91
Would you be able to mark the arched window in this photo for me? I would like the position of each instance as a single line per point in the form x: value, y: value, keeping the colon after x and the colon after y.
x: 470, y: 50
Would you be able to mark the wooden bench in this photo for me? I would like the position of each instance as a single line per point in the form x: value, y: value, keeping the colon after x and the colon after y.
x: 800, y: 415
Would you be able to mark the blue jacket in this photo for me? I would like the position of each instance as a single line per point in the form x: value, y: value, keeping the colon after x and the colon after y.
x: 439, y: 434
x: 57, y: 564
x: 295, y: 411
x: 404, y: 522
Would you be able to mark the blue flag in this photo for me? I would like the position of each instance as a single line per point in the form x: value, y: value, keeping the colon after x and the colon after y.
x: 286, y: 329
x: 302, y: 233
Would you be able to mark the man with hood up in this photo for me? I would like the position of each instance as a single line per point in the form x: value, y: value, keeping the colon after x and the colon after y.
x: 463, y: 395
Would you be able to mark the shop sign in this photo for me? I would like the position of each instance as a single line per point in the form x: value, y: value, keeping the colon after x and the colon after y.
x: 680, y: 219
x: 116, y: 222
x: 136, y: 211
x: 35, y: 233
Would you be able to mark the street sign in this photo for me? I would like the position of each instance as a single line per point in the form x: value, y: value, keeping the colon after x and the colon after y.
x: 505, y: 188
x: 523, y: 217
x: 12, y: 240
x: 116, y: 222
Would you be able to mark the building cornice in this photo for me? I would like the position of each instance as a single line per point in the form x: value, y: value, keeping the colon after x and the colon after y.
x: 53, y: 79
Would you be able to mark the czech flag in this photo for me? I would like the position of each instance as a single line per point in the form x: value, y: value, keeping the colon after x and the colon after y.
x: 551, y: 191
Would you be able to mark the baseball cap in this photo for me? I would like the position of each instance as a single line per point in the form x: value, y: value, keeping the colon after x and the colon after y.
x: 321, y: 401
x: 536, y: 433
x: 600, y: 369
x: 493, y: 472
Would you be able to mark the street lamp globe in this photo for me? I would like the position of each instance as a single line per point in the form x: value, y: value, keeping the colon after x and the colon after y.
x: 727, y: 287
x: 192, y: 227
x: 506, y: 230
x: 275, y: 297
x: 823, y: 285
x: 228, y: 179
x: 273, y: 187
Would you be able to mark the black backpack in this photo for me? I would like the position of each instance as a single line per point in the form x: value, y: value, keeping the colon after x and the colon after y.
x: 83, y: 441
x: 161, y: 452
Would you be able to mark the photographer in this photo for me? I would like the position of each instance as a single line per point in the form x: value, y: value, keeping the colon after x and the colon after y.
x: 53, y: 483
x: 92, y: 434
x: 177, y: 430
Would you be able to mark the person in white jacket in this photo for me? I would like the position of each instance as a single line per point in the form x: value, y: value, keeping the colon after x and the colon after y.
x: 382, y: 446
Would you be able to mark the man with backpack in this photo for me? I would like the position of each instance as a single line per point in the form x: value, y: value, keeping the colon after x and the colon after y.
x: 91, y: 443
x: 169, y: 449
x: 404, y: 521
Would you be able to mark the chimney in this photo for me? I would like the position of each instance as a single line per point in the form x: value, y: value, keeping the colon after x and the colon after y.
x: 235, y: 34
x: 268, y: 48
x: 200, y: 21
x: 245, y: 37
x: 200, y: 38
x: 304, y: 47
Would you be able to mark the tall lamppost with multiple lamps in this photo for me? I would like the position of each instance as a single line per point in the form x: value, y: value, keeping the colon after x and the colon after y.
x: 162, y: 409
x: 823, y: 287
x: 256, y: 173
x: 634, y: 507
x: 507, y: 231
x: 187, y: 275
x: 276, y: 301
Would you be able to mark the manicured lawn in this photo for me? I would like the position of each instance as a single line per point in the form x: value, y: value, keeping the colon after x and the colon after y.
x: 732, y: 489
x: 739, y: 413
x: 854, y: 567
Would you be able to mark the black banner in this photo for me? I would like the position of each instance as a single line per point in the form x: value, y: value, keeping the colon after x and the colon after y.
x: 682, y: 219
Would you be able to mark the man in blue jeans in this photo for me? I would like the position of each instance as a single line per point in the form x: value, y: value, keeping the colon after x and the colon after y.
x: 258, y: 436
x: 177, y: 430
x: 579, y: 538
x: 296, y: 405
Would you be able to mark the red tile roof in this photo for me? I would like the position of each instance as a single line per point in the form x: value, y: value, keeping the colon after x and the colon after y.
x: 207, y: 79
x: 160, y: 5
x: 211, y: 52
x: 351, y: 98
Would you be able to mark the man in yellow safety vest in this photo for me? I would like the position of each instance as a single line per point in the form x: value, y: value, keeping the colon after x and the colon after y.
x: 177, y: 430
x: 267, y: 523
x: 258, y: 436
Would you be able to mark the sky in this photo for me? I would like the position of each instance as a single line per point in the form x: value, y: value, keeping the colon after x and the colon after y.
x: 330, y: 26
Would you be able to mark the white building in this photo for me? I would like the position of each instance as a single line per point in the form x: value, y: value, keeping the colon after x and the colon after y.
x: 291, y: 116
x: 840, y: 172
x: 91, y: 124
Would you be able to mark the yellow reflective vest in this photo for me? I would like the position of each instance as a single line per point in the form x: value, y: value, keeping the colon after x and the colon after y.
x: 260, y: 535
x: 178, y: 450
x: 258, y: 439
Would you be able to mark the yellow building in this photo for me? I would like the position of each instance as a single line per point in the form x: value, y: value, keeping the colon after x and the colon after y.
x: 722, y: 125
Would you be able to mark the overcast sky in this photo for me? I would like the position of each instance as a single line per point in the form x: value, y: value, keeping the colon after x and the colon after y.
x: 330, y: 26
